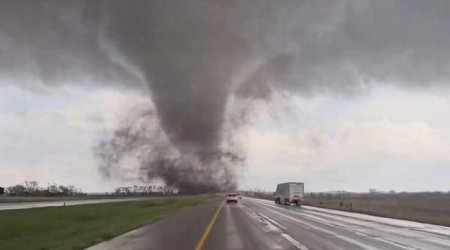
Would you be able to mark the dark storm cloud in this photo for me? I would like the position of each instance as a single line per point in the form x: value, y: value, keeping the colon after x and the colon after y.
x: 53, y: 42
x: 339, y: 47
x: 194, y: 55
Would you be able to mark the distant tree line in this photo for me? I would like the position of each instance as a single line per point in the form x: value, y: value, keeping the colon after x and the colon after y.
x: 144, y: 190
x: 32, y: 188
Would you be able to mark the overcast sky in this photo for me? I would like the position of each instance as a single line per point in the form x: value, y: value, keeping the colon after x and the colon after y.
x: 347, y: 96
x: 385, y: 139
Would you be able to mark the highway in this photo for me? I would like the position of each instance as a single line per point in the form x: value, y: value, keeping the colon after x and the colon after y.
x: 260, y: 224
x: 60, y: 203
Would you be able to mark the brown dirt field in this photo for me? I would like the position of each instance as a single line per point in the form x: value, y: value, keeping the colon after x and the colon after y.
x: 433, y: 209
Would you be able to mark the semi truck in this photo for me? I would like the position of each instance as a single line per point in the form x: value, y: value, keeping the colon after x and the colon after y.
x: 290, y: 193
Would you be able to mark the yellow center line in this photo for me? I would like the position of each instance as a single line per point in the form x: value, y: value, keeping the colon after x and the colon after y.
x: 205, y: 234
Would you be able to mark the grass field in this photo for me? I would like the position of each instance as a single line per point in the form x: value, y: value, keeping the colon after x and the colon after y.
x: 76, y: 227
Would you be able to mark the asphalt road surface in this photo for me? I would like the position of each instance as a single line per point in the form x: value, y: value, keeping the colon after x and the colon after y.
x: 59, y: 203
x: 260, y: 224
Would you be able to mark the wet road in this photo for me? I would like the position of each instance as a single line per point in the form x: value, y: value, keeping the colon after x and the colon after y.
x: 260, y: 224
x: 59, y: 203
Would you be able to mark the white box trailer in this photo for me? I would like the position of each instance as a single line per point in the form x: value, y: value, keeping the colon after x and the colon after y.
x: 290, y: 193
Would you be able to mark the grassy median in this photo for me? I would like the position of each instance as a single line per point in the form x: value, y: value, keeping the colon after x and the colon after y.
x: 76, y: 227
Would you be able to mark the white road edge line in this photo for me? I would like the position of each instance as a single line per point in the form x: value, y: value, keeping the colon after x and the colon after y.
x: 360, y: 244
x: 294, y: 242
x: 272, y: 221
x: 334, y: 224
x: 257, y: 217
x: 276, y: 225
x: 340, y: 225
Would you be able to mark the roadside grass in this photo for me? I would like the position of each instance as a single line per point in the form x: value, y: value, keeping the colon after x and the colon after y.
x: 76, y: 227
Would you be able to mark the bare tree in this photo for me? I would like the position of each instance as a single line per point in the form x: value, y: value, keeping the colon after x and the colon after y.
x: 17, y: 190
x: 32, y: 188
